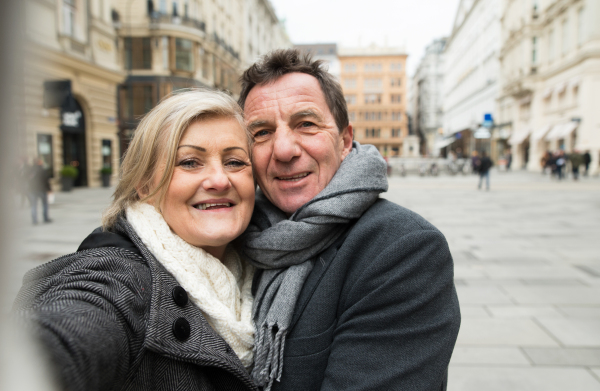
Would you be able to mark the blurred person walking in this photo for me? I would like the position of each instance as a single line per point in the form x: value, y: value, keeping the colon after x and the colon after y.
x: 587, y: 159
x: 39, y: 186
x: 484, y: 170
x: 475, y: 162
x: 576, y: 160
x: 560, y: 163
x: 546, y: 162
x: 508, y: 160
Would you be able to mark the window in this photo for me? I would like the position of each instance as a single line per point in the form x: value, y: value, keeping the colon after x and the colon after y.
x: 372, y: 98
x: 186, y: 9
x: 372, y: 133
x: 350, y: 67
x: 137, y: 99
x: 373, y: 67
x: 551, y: 45
x: 350, y: 99
x: 373, y: 116
x: 44, y: 151
x: 138, y: 53
x: 396, y: 132
x: 396, y: 116
x: 69, y: 13
x: 106, y: 154
x: 373, y: 85
x: 580, y: 26
x: 350, y: 83
x: 396, y: 98
x: 175, y: 13
x: 565, y: 36
x: 352, y: 116
x: 534, y: 50
x: 184, y: 57
x: 396, y: 67
x: 163, y: 6
x: 165, y: 52
x: 396, y: 81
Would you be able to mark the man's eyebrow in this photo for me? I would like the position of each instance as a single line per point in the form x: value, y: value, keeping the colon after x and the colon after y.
x: 306, y: 113
x: 257, y: 124
x: 193, y: 146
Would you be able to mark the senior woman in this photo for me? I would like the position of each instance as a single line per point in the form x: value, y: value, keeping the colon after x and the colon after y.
x: 156, y: 298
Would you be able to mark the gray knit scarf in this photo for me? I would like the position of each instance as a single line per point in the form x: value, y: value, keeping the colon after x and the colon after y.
x: 286, y: 248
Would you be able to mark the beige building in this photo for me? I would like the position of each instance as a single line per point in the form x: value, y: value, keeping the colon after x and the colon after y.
x: 167, y: 45
x: 374, y: 83
x: 70, y: 79
x: 551, y: 78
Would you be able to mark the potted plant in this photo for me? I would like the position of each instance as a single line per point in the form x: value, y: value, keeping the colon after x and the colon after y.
x: 67, y: 177
x: 106, y: 173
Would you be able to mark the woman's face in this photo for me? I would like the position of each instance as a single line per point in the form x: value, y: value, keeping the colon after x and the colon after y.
x: 210, y: 199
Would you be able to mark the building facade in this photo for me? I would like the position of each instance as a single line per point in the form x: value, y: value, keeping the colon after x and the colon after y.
x: 71, y: 75
x: 327, y: 52
x: 374, y: 83
x: 472, y: 68
x: 426, y: 98
x: 551, y: 78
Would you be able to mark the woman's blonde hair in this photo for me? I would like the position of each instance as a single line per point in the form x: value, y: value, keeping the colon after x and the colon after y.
x: 155, y: 144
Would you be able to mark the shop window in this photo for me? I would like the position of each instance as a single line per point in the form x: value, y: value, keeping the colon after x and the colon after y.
x: 184, y: 57
x: 137, y: 100
x: 106, y: 154
x: 138, y: 53
x: 45, y: 152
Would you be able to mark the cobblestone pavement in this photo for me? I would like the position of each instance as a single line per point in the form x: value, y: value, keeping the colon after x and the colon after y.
x: 527, y: 272
x: 527, y: 269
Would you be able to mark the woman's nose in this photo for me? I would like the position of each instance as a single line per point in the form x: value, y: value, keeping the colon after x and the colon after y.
x: 216, y: 179
x: 285, y: 145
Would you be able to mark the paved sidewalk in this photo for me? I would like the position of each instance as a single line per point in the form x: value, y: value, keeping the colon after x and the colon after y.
x: 527, y: 267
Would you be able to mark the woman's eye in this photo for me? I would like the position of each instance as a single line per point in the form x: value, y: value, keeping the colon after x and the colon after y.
x: 188, y: 164
x: 236, y: 163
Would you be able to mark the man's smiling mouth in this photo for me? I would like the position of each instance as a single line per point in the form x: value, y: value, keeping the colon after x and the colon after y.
x: 293, y: 178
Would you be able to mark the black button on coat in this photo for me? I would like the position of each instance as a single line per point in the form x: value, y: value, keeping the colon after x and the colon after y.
x: 111, y: 318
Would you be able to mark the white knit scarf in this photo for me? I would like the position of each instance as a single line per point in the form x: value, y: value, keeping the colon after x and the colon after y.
x: 221, y: 289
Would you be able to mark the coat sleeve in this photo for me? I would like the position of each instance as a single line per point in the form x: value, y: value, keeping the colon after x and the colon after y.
x: 88, y: 312
x: 399, y: 321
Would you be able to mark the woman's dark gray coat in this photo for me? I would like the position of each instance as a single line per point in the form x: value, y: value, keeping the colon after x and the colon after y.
x: 112, y: 318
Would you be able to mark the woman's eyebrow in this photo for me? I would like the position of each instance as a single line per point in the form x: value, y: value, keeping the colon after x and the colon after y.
x: 193, y: 146
x: 232, y: 148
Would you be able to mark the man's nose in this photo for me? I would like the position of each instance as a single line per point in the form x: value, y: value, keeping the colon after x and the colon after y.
x: 216, y: 179
x: 285, y: 145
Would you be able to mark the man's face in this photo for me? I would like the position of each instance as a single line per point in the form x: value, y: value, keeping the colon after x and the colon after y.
x: 298, y: 146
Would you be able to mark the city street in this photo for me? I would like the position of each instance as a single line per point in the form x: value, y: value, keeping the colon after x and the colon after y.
x: 527, y: 270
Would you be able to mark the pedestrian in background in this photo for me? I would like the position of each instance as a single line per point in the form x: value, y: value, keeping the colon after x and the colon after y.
x: 484, y: 170
x: 587, y: 159
x: 508, y: 160
x: 475, y: 162
x: 39, y: 186
x: 559, y: 163
x: 576, y: 160
x: 546, y: 162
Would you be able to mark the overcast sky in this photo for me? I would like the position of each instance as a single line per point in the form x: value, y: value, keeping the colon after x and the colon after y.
x: 352, y: 23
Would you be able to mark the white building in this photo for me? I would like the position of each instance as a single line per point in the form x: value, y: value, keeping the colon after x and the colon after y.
x: 263, y: 30
x: 471, y: 72
x: 551, y: 78
x: 426, y: 101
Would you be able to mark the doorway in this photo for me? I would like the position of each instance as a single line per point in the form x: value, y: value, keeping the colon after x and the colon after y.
x: 74, y: 150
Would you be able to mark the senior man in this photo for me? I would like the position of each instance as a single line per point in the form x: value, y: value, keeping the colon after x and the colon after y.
x: 356, y: 292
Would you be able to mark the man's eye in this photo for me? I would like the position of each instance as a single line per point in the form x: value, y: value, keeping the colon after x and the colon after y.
x: 307, y: 124
x: 261, y: 133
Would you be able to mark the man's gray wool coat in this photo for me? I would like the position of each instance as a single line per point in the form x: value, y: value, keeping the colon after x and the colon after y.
x: 379, y: 310
x: 112, y: 318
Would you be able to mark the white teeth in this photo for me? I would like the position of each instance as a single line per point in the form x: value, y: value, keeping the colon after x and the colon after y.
x: 294, y: 178
x: 206, y: 206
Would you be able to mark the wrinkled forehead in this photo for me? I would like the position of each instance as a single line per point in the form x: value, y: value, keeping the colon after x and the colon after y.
x: 288, y: 90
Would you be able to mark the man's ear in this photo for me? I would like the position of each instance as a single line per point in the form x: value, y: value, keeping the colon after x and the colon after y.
x: 347, y: 137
